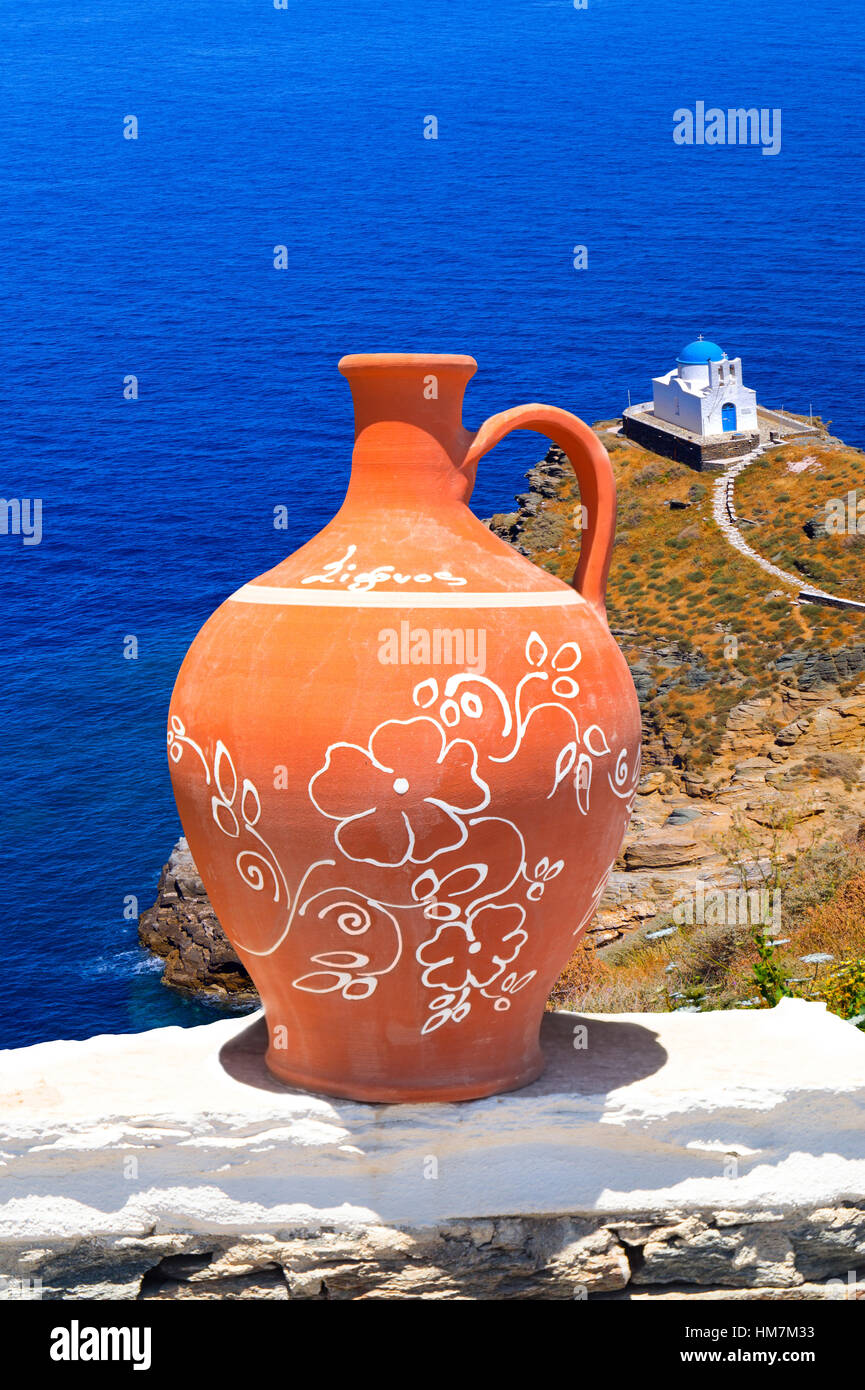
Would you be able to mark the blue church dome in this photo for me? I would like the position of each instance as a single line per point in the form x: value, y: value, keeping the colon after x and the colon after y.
x: 701, y: 350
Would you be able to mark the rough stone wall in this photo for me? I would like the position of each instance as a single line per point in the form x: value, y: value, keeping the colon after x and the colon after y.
x: 714, y: 1255
x: 701, y: 457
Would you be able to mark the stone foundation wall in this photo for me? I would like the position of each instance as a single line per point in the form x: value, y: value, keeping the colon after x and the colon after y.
x: 708, y: 1255
x: 701, y: 457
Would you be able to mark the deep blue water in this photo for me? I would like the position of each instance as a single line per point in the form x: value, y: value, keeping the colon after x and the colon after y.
x: 304, y: 127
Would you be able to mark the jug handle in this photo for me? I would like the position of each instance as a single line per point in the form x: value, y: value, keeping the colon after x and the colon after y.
x: 591, y: 463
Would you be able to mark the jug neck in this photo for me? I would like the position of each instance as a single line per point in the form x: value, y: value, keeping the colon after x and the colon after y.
x: 410, y: 444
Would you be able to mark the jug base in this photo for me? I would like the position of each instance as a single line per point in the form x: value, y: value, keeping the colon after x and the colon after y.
x: 396, y: 1094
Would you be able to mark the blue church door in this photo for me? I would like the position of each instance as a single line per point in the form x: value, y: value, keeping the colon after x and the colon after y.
x: 728, y: 416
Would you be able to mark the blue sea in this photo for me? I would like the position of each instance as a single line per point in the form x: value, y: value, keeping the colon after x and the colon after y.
x: 153, y: 257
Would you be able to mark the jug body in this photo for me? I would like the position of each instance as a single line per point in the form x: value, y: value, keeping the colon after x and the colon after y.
x: 405, y: 760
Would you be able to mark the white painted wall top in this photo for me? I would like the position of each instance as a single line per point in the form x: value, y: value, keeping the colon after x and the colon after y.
x: 634, y: 1112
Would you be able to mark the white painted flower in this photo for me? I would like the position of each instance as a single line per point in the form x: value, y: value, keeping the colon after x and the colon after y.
x: 566, y: 658
x: 475, y: 952
x: 402, y: 797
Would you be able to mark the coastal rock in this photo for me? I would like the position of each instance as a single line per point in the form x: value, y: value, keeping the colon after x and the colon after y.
x: 182, y: 928
x: 536, y: 528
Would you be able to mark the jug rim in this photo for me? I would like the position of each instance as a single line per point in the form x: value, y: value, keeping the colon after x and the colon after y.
x: 356, y: 360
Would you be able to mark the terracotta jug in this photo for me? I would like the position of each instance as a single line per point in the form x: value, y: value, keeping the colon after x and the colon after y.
x: 406, y: 757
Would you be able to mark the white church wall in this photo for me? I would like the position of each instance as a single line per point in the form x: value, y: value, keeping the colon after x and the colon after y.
x: 673, y: 403
x: 694, y: 371
x: 690, y: 411
x: 693, y: 395
x: 745, y: 402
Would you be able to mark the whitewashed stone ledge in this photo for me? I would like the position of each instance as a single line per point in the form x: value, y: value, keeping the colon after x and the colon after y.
x: 676, y: 1155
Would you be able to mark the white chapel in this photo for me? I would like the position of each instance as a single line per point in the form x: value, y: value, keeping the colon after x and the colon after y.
x: 704, y: 393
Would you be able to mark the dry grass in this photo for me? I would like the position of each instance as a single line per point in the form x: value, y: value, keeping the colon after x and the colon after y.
x: 710, y: 965
x: 781, y: 503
